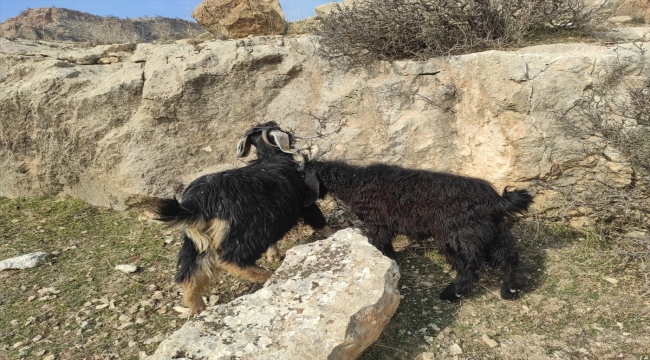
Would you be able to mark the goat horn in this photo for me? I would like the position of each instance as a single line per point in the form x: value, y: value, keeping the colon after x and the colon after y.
x: 266, y: 139
x: 243, y: 147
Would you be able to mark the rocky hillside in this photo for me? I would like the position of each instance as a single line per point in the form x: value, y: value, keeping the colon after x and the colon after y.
x: 69, y: 25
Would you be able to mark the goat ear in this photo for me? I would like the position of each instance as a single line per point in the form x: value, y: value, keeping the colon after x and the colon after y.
x: 243, y: 147
x: 281, y: 140
x: 311, y: 189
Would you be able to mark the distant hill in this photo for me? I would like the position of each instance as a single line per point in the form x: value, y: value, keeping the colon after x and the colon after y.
x: 69, y: 25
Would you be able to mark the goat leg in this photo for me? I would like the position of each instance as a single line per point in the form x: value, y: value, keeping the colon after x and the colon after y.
x: 513, y: 278
x: 462, y: 284
x: 252, y: 273
x: 382, y: 239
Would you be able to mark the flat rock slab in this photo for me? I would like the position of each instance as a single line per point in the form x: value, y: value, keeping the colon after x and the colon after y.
x: 24, y: 261
x: 330, y: 299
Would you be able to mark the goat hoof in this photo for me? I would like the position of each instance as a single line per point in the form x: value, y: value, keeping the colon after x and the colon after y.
x: 509, y: 294
x: 449, y: 293
x: 197, y: 306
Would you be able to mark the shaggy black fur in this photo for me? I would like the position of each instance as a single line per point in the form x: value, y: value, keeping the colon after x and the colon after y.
x: 260, y: 202
x: 465, y: 216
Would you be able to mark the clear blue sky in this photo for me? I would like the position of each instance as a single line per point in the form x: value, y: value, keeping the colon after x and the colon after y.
x: 293, y: 9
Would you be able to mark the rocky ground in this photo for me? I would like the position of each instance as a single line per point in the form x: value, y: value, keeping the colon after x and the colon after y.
x: 582, y: 302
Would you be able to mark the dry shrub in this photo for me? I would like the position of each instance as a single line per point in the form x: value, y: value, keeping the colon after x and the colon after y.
x: 617, y: 112
x: 420, y: 29
x: 110, y: 31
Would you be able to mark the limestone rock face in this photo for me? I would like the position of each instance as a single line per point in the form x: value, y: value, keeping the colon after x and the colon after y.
x: 636, y: 9
x: 122, y: 134
x: 328, y: 300
x: 240, y: 18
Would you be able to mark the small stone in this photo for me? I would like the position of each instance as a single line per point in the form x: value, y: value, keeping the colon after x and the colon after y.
x: 23, y: 351
x: 102, y: 306
x: 24, y: 261
x: 611, y: 280
x: 214, y: 299
x: 37, y: 338
x: 153, y: 287
x: 620, y: 19
x: 48, y: 291
x: 49, y: 357
x: 14, y: 322
x: 18, y: 344
x: 181, y: 310
x: 158, y: 295
x: 127, y: 268
x: 434, y: 327
x: 38, y: 352
x: 490, y: 342
x: 428, y: 339
x: 133, y: 309
x: 426, y: 283
x: 426, y: 356
x: 156, y: 339
x: 132, y: 344
x: 30, y: 320
x: 124, y: 318
x: 31, y: 298
x: 455, y: 349
x: 125, y: 325
x: 207, y: 149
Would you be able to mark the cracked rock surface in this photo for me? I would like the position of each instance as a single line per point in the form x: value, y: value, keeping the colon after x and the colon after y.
x: 328, y: 300
x: 123, y: 133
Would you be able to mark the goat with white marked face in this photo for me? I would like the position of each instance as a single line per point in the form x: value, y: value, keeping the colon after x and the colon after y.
x: 465, y: 216
x: 232, y: 217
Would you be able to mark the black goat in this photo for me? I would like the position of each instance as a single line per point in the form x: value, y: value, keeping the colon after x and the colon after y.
x: 232, y: 217
x: 465, y: 216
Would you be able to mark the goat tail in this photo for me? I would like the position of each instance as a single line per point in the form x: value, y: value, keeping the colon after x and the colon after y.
x: 515, y: 201
x: 171, y: 211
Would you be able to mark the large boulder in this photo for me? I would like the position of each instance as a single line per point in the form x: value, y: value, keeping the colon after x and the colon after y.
x: 240, y: 18
x: 328, y: 300
x: 326, y: 9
